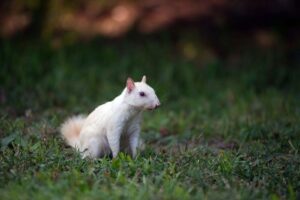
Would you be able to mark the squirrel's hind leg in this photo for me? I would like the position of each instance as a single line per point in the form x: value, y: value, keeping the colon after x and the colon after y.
x: 96, y: 148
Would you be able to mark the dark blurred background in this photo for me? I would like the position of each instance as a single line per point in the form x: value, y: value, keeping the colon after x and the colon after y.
x: 182, y: 44
x: 87, y: 19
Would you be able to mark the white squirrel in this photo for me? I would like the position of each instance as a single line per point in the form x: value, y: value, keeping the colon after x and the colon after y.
x: 113, y: 126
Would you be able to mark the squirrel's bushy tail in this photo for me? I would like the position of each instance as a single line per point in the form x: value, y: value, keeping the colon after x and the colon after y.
x: 71, y: 128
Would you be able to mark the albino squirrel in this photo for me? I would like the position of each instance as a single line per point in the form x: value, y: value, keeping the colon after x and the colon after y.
x: 113, y: 126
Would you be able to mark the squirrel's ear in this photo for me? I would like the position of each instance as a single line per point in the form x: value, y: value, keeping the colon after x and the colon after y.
x: 144, y: 79
x: 130, y: 84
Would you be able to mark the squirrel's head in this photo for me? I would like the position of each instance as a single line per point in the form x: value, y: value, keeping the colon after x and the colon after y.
x: 141, y: 95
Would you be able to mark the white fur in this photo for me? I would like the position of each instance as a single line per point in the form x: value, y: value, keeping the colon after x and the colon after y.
x: 114, y: 126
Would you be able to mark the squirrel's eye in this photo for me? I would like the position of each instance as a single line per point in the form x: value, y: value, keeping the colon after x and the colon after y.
x: 142, y: 94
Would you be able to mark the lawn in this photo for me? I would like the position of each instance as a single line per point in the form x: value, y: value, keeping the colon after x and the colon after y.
x: 227, y: 128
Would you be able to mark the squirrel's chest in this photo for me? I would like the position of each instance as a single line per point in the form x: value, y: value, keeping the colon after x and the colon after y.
x: 127, y: 126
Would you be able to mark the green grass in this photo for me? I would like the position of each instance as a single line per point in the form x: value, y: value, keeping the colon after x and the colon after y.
x: 224, y: 131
